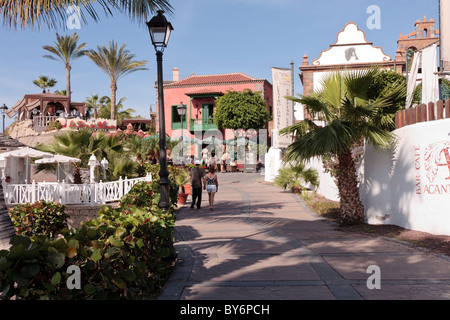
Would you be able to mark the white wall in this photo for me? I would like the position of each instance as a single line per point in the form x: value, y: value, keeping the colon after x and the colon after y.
x: 409, y: 186
x: 327, y: 186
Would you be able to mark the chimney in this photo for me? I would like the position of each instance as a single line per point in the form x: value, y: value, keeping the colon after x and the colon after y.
x: 176, y: 74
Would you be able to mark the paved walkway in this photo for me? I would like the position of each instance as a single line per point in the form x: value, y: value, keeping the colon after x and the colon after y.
x: 262, y: 243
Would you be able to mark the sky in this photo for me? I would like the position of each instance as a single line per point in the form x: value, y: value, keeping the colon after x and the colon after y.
x: 209, y: 37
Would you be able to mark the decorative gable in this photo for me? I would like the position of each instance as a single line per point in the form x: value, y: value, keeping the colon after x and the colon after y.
x: 351, y: 47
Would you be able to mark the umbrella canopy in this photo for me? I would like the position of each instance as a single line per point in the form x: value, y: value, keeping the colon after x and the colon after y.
x: 25, y: 152
x: 58, y: 158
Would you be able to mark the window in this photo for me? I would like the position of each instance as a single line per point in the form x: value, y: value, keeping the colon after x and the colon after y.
x: 208, y: 111
x: 177, y: 119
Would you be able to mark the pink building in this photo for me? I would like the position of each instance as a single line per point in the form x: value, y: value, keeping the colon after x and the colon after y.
x: 199, y: 93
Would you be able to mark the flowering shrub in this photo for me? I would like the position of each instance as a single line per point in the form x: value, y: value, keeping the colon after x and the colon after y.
x: 41, y: 217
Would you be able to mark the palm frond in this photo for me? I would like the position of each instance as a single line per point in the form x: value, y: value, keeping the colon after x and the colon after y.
x: 53, y: 14
x: 331, y: 139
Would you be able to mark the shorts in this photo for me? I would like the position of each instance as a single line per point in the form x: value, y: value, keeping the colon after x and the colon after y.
x: 211, y: 188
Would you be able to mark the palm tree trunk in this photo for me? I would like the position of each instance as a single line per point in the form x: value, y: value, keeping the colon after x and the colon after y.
x: 351, y: 208
x: 68, y: 94
x: 113, y: 100
x: 76, y: 174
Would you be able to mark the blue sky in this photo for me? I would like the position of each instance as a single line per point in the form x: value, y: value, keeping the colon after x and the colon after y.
x: 209, y: 37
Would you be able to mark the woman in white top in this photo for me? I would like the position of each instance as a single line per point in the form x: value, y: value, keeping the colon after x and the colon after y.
x: 211, y: 184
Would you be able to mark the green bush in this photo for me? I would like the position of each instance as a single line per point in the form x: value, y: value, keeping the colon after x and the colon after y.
x: 41, y: 217
x: 173, y: 187
x: 296, y: 177
x: 125, y: 253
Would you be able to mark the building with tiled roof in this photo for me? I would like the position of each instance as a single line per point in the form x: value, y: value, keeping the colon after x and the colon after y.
x: 199, y: 93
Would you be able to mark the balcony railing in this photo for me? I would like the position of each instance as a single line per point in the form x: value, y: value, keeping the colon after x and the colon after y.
x: 41, y: 123
x: 202, y: 124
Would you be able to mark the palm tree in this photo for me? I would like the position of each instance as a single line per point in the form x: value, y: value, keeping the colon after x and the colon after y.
x: 351, y: 119
x: 296, y: 177
x: 105, y: 110
x: 45, y: 82
x: 77, y: 144
x: 116, y: 63
x: 93, y: 102
x: 66, y: 51
x: 61, y: 92
x: 27, y: 13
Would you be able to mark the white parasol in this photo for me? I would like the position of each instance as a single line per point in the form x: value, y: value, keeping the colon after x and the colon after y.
x: 27, y: 153
x: 58, y: 158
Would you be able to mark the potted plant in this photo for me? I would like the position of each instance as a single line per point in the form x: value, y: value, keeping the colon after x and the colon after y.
x: 181, y: 179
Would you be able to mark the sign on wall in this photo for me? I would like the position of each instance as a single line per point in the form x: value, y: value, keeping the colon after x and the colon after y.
x: 283, y: 109
x: 97, y: 124
x: 432, y: 164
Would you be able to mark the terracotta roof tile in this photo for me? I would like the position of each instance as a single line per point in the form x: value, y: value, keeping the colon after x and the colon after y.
x: 212, y: 79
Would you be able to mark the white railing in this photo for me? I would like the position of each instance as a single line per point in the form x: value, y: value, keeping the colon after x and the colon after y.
x: 65, y: 193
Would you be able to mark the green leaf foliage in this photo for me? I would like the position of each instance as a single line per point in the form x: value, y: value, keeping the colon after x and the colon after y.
x: 241, y: 110
x: 124, y: 253
x: 41, y: 217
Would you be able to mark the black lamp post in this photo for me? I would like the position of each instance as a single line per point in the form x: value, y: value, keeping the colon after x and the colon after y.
x: 3, y: 109
x: 160, y: 30
x: 181, y: 109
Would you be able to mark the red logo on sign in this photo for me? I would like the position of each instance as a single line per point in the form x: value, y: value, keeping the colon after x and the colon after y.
x: 437, y: 155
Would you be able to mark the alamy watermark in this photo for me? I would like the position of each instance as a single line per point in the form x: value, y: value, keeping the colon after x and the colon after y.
x: 374, y: 20
x: 74, y: 280
x: 74, y: 17
x: 242, y: 147
x: 374, y: 280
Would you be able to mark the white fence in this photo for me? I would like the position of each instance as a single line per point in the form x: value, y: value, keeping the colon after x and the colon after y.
x: 65, y: 193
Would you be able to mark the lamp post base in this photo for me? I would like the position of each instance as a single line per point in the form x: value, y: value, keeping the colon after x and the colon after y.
x: 164, y: 202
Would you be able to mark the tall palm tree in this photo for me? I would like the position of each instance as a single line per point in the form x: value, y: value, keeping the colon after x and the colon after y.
x: 66, y: 50
x: 45, y: 82
x: 116, y: 63
x: 34, y: 13
x: 351, y: 118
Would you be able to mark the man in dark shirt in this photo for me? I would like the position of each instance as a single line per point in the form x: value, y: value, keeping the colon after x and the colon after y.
x: 197, y: 182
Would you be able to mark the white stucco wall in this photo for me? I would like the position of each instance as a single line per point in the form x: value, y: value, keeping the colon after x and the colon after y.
x: 410, y: 186
x: 327, y: 185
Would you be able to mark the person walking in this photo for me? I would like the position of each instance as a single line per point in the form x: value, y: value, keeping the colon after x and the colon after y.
x: 212, y: 161
x: 197, y: 179
x: 224, y: 161
x: 211, y: 185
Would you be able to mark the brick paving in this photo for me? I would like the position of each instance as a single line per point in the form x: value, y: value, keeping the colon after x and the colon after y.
x: 263, y: 243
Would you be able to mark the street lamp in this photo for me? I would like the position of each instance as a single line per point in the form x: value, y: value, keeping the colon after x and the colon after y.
x: 181, y: 109
x: 3, y: 109
x: 160, y: 29
x: 104, y: 164
x: 92, y: 164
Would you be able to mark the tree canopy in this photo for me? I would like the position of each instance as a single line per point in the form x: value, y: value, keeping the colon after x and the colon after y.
x: 241, y: 110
